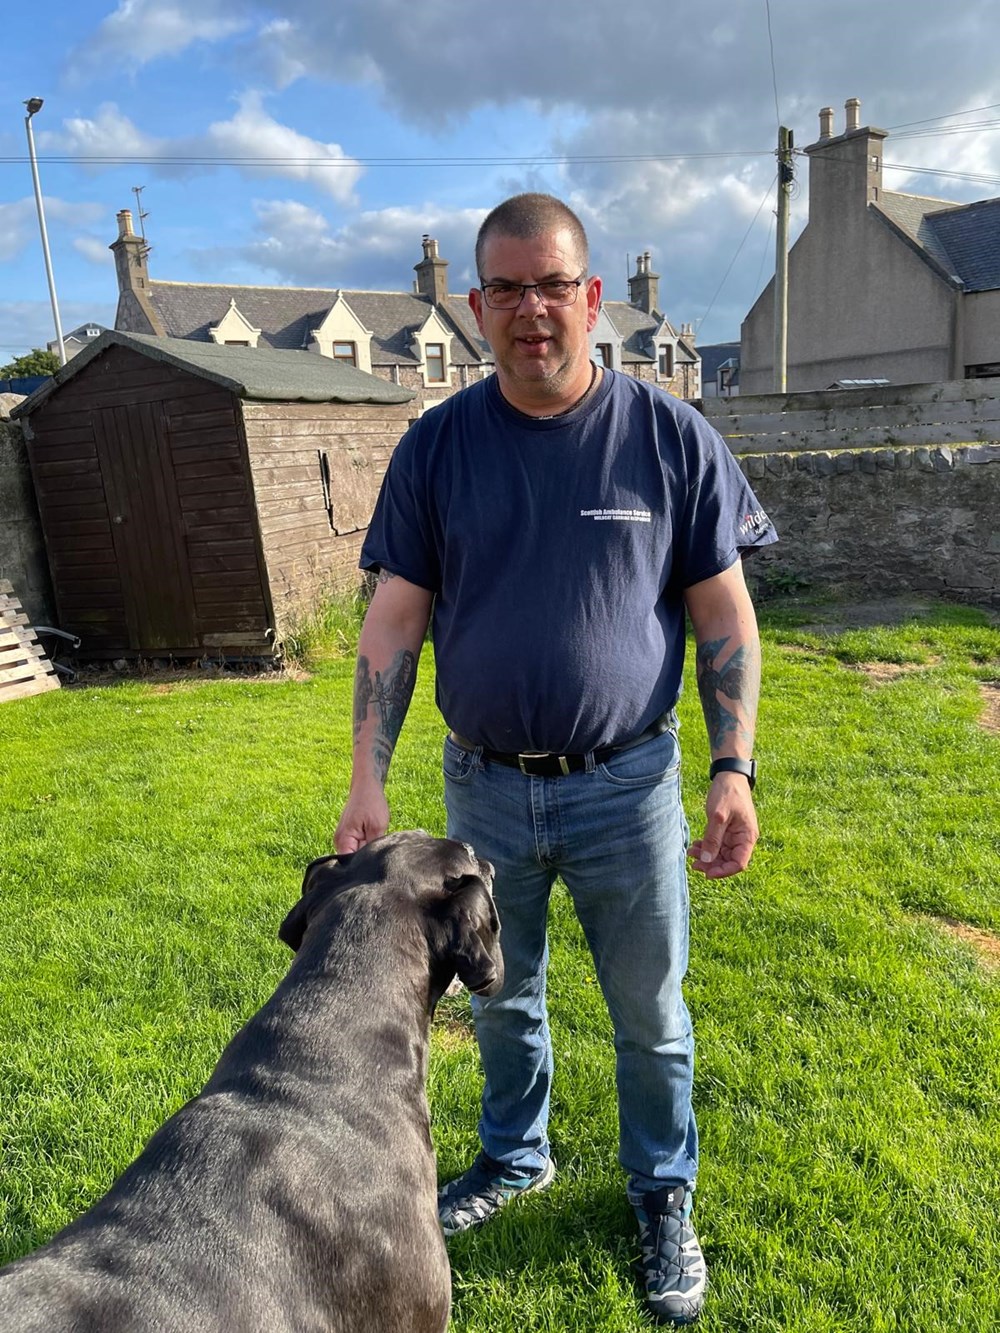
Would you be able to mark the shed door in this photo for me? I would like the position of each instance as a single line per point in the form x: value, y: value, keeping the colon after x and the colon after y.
x: 146, y: 526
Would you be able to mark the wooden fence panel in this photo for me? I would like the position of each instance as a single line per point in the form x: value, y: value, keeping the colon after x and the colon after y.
x: 955, y: 412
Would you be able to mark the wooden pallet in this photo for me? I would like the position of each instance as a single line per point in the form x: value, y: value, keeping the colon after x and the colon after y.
x: 24, y: 668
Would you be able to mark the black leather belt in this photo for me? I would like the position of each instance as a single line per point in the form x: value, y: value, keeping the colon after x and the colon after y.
x: 548, y: 765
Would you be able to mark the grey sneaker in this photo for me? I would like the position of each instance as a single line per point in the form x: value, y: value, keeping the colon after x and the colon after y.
x: 483, y: 1190
x: 672, y: 1265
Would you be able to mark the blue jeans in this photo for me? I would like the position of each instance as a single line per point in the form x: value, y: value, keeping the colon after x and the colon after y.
x: 617, y: 836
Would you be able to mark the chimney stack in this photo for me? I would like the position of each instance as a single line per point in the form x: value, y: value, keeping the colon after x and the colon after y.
x: 852, y: 108
x: 136, y: 312
x: 432, y: 272
x: 644, y: 285
x: 826, y: 122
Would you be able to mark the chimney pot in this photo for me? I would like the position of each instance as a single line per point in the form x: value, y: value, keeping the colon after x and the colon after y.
x: 826, y: 122
x: 125, y: 223
x: 852, y: 107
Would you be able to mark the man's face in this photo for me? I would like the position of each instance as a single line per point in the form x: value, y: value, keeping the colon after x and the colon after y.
x: 542, y: 353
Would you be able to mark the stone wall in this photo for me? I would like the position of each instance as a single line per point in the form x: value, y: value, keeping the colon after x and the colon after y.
x: 22, y: 551
x: 921, y: 519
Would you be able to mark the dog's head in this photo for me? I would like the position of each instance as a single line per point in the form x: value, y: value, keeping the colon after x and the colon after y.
x: 442, y: 881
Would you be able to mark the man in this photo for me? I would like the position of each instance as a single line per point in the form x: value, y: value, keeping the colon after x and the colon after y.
x: 560, y: 518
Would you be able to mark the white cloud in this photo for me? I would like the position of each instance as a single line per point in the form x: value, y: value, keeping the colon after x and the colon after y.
x: 94, y: 249
x: 15, y: 220
x: 241, y: 142
x: 110, y: 134
x: 252, y: 133
x: 19, y: 221
x: 376, y: 250
x: 140, y: 31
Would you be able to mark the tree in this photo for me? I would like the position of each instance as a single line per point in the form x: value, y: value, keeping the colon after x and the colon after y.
x: 36, y: 362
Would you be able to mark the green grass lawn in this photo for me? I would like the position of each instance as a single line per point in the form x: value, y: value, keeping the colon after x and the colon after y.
x: 152, y: 836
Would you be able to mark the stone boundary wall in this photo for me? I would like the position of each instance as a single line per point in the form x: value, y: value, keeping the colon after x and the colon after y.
x: 22, y: 551
x: 921, y: 519
x: 915, y: 519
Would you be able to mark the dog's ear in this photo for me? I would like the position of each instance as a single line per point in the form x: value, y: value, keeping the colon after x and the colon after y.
x: 475, y: 933
x: 293, y: 928
x: 321, y: 863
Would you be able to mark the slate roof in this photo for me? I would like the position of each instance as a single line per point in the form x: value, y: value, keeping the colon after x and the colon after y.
x: 259, y: 373
x: 286, y: 316
x: 961, y: 239
x: 637, y: 327
x: 714, y: 355
x: 970, y: 236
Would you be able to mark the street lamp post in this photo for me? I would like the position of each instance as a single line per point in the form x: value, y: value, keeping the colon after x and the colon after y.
x: 34, y: 104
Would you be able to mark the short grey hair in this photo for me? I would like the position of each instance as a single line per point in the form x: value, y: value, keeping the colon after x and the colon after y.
x: 525, y: 216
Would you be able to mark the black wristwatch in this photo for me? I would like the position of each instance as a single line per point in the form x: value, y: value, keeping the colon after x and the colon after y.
x: 748, y: 767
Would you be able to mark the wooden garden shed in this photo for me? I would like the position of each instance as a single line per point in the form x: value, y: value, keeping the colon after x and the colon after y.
x: 198, y: 499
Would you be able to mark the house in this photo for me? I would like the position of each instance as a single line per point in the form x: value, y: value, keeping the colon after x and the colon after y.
x: 720, y: 370
x: 633, y: 336
x: 882, y: 285
x: 201, y: 499
x: 425, y: 340
x: 74, y: 342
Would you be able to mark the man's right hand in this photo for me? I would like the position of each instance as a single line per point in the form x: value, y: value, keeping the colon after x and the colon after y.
x: 364, y: 818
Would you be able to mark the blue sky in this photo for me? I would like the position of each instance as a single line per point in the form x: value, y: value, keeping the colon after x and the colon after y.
x: 313, y: 142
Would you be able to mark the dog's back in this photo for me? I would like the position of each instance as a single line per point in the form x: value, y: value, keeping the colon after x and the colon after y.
x: 297, y: 1191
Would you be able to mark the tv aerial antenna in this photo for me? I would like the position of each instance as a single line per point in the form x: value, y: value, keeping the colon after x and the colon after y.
x: 141, y: 217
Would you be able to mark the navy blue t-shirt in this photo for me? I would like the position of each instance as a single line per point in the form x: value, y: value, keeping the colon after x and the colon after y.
x: 558, y: 550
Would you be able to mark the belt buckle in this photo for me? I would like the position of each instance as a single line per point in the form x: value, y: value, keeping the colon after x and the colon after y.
x: 543, y: 754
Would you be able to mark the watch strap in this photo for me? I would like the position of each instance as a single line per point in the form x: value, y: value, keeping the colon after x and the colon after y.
x: 748, y: 767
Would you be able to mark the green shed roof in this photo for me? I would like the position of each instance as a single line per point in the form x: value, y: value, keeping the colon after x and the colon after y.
x: 263, y: 374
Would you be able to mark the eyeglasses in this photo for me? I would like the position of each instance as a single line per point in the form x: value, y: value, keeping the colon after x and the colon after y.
x: 509, y: 295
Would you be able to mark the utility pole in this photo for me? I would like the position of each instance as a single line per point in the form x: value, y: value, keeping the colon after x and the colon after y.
x: 786, y: 175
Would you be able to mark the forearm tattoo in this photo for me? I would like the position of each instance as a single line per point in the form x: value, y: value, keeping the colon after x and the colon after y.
x: 729, y: 687
x: 388, y: 697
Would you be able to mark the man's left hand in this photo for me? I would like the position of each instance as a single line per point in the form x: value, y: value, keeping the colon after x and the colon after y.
x: 731, y: 829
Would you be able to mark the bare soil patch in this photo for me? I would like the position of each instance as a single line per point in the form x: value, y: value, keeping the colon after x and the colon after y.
x: 881, y: 672
x: 984, y: 943
x: 989, y: 719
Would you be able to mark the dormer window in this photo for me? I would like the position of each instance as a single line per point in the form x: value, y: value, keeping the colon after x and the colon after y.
x: 346, y: 352
x: 665, y: 362
x: 602, y: 355
x: 434, y: 360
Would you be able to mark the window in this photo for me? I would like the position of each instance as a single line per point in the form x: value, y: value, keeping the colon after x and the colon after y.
x: 665, y: 362
x: 985, y: 370
x: 602, y: 355
x: 233, y: 342
x: 434, y: 360
x: 346, y: 352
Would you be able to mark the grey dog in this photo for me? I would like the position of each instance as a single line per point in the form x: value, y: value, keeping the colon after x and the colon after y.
x: 296, y: 1193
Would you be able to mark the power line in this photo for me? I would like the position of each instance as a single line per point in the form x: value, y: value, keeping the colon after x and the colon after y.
x: 764, y: 198
x: 940, y: 171
x: 207, y: 161
x: 976, y: 178
x: 993, y: 106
